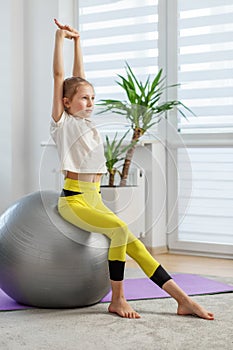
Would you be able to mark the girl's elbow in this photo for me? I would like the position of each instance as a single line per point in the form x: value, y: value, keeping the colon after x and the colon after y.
x: 57, y: 75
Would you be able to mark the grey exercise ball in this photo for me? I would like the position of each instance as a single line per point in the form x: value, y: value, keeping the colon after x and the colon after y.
x: 46, y: 261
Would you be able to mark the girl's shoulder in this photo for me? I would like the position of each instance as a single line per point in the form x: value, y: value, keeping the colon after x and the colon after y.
x: 70, y: 124
x: 65, y: 119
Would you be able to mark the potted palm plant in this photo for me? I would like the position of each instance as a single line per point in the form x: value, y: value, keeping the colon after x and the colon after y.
x: 142, y: 109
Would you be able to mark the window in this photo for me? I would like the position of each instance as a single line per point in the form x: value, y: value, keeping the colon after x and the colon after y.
x: 208, y: 215
x: 200, y: 184
x: 199, y: 171
x: 205, y: 60
x: 114, y: 32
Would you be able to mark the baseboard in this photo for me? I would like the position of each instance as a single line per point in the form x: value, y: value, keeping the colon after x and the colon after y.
x: 157, y: 250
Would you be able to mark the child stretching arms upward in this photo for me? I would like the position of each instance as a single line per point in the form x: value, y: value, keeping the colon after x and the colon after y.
x: 82, y: 161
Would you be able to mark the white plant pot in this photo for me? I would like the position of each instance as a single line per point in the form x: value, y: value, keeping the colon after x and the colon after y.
x: 128, y: 203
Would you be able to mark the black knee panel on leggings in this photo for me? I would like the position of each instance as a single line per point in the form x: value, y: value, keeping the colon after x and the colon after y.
x: 160, y: 276
x: 116, y: 270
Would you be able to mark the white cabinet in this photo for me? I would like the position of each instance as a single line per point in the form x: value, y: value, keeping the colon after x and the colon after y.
x: 128, y: 202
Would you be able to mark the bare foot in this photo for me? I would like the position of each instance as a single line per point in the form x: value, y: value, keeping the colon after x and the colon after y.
x: 190, y: 307
x: 123, y: 309
x: 186, y: 306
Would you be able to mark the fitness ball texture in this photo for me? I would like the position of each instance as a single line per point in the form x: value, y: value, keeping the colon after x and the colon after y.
x: 46, y: 261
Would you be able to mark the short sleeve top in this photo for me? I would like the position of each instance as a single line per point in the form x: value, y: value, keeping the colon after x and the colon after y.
x: 79, y: 144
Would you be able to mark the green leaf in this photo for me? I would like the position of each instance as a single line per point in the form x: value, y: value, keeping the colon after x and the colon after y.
x: 114, y: 150
x: 156, y: 80
x: 130, y: 72
x: 142, y: 104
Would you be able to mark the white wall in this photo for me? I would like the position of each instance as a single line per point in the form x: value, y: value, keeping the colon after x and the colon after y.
x: 38, y: 49
x: 12, y: 104
x: 5, y: 101
x: 27, y: 41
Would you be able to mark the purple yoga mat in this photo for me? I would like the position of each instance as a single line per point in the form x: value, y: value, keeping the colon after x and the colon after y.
x: 9, y: 304
x: 144, y: 288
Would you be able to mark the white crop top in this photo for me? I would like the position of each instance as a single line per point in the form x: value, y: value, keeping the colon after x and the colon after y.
x: 79, y: 144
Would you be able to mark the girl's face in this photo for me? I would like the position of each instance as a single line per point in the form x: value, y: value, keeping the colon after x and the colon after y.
x: 82, y: 104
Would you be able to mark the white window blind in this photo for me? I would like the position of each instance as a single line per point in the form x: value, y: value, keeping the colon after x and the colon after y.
x: 114, y: 32
x: 208, y: 217
x: 205, y: 60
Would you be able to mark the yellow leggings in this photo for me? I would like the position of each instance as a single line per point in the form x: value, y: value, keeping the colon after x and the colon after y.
x: 81, y: 204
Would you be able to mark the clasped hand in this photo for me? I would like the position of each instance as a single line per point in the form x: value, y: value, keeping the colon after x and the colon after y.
x: 69, y: 32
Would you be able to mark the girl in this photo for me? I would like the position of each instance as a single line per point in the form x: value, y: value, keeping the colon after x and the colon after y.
x: 82, y: 161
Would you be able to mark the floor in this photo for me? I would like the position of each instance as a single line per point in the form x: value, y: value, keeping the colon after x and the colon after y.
x: 193, y: 264
x: 93, y: 328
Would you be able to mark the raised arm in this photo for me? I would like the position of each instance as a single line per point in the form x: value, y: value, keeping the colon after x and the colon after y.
x: 58, y: 69
x: 58, y: 76
x: 78, y: 67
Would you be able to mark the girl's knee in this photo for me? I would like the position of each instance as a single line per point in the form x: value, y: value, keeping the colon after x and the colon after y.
x: 120, y: 236
x: 136, y: 247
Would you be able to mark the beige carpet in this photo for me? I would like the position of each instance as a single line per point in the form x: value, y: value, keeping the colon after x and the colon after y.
x: 93, y: 328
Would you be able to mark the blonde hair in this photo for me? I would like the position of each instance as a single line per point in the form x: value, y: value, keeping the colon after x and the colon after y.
x: 71, y: 85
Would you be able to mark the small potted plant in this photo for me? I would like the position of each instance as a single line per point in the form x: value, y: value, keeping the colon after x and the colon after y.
x: 123, y: 200
x: 142, y: 109
x: 114, y: 152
